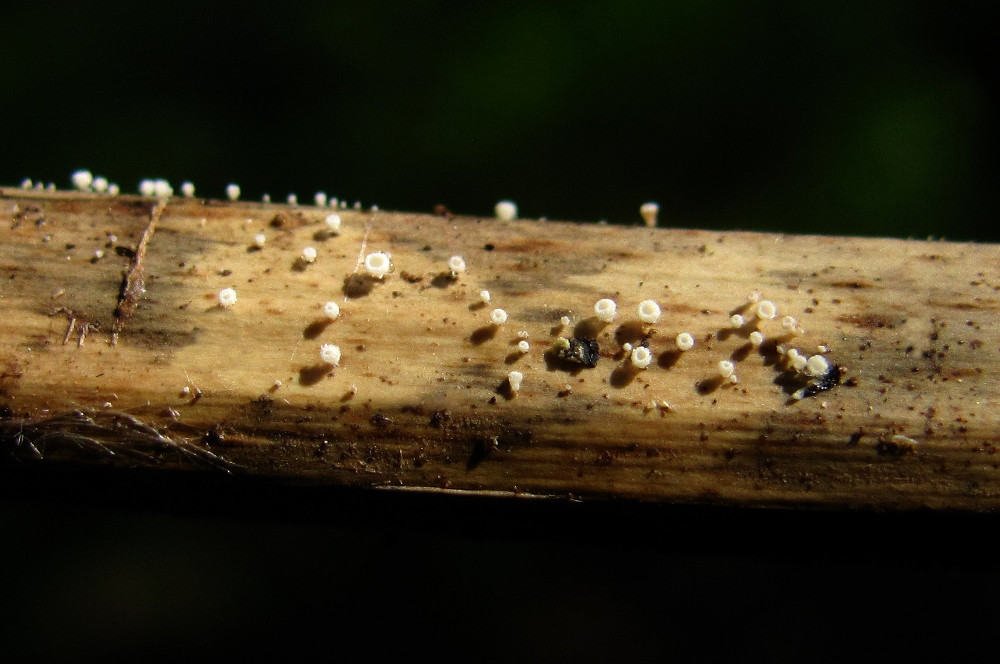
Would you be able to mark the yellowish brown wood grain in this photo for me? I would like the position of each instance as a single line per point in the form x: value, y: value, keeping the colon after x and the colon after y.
x: 419, y: 401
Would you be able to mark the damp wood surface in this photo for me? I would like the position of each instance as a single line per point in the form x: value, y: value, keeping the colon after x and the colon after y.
x: 420, y: 399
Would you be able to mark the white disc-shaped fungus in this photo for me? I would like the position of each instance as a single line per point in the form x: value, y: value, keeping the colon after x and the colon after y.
x: 330, y: 354
x: 233, y: 192
x: 514, y: 378
x: 187, y: 189
x: 333, y: 224
x: 685, y: 341
x: 756, y: 338
x: 485, y: 296
x: 498, y: 316
x: 564, y: 321
x: 605, y: 309
x: 227, y: 297
x: 799, y: 362
x: 259, y: 240
x: 523, y: 346
x: 309, y: 254
x: 100, y: 184
x: 162, y: 189
x: 292, y: 199
x: 26, y: 183
x: 766, y: 310
x: 789, y: 323
x: 726, y: 368
x: 114, y: 189
x: 649, y: 311
x: 641, y: 357
x: 320, y: 199
x: 378, y: 264
x: 82, y: 180
x: 649, y: 211
x: 817, y: 366
x: 331, y: 310
x: 737, y: 321
x: 457, y: 265
x: 147, y: 188
x: 505, y: 210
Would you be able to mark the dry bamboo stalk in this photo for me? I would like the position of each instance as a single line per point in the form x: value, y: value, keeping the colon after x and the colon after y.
x: 420, y: 399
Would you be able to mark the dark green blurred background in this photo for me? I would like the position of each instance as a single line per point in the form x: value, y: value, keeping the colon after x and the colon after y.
x: 838, y: 118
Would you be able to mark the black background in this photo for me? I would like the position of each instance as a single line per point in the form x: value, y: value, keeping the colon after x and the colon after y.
x: 835, y: 118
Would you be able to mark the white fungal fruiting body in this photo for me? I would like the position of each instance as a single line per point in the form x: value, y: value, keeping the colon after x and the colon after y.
x: 162, y: 189
x: 320, y: 199
x: 817, y: 366
x: 799, y: 362
x: 378, y: 264
x: 789, y: 323
x: 649, y: 311
x: 114, y: 189
x: 766, y: 310
x: 333, y: 223
x: 641, y: 357
x: 233, y: 192
x: 227, y: 297
x: 726, y: 368
x: 485, y: 296
x: 309, y: 254
x: 514, y: 378
x: 498, y: 316
x: 266, y: 198
x: 82, y: 180
x: 523, y: 346
x: 26, y: 183
x: 753, y: 297
x: 756, y: 338
x: 605, y: 309
x: 331, y: 310
x: 330, y: 354
x: 457, y: 265
x: 564, y: 321
x: 649, y: 211
x: 187, y: 189
x: 684, y: 341
x: 737, y: 321
x: 259, y: 240
x: 505, y: 210
x: 293, y: 199
x: 627, y: 347
x: 147, y: 188
x: 100, y: 184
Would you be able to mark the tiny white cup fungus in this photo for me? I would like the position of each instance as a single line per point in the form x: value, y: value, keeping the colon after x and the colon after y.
x: 649, y: 211
x: 331, y: 310
x: 766, y: 310
x: 514, y: 378
x: 649, y: 311
x: 330, y: 354
x: 378, y: 264
x: 187, y: 189
x: 523, y: 346
x: 457, y: 265
x: 266, y: 198
x: 162, y: 189
x: 233, y: 192
x: 817, y: 366
x: 523, y: 334
x: 114, y: 189
x: 498, y: 316
x: 753, y: 297
x: 309, y: 254
x: 684, y: 341
x: 756, y: 338
x: 320, y: 199
x: 564, y: 321
x: 292, y: 199
x: 605, y: 309
x: 147, y: 188
x: 334, y: 202
x: 505, y: 210
x: 790, y: 324
x: 100, y: 184
x: 357, y: 205
x: 259, y: 240
x: 82, y: 180
x: 485, y: 296
x: 333, y: 224
x: 627, y: 347
x: 726, y: 368
x: 641, y: 357
x: 227, y: 297
x: 26, y: 183
x: 737, y: 321
x: 799, y: 362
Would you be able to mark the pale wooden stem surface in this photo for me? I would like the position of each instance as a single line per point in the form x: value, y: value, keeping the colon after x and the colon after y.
x: 418, y: 401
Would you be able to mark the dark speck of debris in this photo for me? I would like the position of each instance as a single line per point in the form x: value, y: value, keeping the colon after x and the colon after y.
x: 489, y: 246
x: 225, y: 273
x: 125, y: 251
x: 380, y: 420
x: 579, y: 351
x: 426, y: 247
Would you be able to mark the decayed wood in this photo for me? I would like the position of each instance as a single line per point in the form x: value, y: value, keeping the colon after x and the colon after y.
x: 420, y: 399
